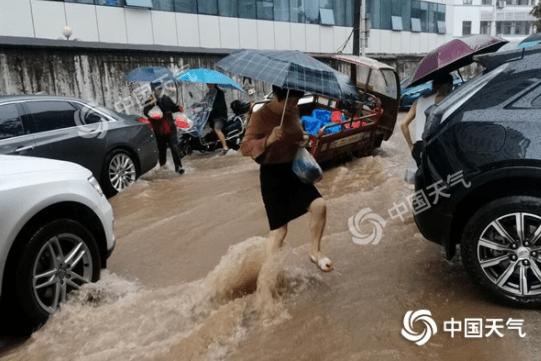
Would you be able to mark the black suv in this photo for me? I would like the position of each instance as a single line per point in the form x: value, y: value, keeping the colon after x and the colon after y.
x: 479, y: 182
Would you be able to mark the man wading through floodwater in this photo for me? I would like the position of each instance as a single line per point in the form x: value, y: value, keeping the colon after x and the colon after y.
x: 274, y: 146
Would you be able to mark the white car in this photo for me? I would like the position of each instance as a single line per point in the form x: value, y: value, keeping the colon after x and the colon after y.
x: 56, y: 233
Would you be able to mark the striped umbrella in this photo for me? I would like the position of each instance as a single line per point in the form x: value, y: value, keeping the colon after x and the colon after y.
x: 291, y: 70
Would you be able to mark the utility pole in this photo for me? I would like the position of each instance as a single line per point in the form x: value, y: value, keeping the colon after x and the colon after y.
x: 356, y: 36
x: 364, y: 29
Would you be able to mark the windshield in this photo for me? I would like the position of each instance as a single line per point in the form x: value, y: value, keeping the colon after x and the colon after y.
x: 384, y: 82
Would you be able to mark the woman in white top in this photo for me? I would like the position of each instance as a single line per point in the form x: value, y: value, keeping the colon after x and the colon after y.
x: 442, y: 86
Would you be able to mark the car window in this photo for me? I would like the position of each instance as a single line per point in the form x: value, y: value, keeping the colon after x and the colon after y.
x: 529, y: 99
x: 52, y: 115
x: 10, y: 123
x: 384, y: 82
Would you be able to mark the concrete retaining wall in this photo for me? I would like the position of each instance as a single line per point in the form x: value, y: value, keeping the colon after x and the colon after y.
x: 98, y: 75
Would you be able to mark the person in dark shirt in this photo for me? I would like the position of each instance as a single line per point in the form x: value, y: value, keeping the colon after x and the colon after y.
x: 164, y: 128
x: 218, y: 115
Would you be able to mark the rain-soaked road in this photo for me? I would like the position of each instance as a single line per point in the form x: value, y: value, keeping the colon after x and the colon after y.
x: 182, y: 281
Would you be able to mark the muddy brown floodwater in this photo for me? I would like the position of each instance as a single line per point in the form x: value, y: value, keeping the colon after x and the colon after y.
x: 189, y: 280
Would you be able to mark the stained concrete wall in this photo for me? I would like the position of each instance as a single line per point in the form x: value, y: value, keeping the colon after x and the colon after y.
x: 95, y: 76
x: 98, y: 76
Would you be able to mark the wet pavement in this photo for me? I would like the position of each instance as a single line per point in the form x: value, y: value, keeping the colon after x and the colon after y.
x: 189, y: 281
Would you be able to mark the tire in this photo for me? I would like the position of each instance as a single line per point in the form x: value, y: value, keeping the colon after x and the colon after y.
x: 503, y: 263
x: 118, y: 163
x: 25, y: 306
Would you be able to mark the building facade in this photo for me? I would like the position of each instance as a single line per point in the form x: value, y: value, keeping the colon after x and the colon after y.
x: 315, y: 26
x: 406, y: 26
x: 509, y: 19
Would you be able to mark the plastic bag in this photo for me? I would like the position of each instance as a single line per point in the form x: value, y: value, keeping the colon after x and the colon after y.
x: 306, y: 167
x: 155, y: 113
x: 181, y: 121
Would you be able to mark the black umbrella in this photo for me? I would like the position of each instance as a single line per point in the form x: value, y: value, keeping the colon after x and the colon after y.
x: 291, y: 70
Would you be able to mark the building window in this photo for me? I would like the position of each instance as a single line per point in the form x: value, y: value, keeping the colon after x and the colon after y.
x: 296, y: 11
x: 324, y: 12
x: 186, y: 6
x: 265, y: 10
x: 467, y: 2
x: 165, y: 5
x: 247, y: 9
x: 110, y: 2
x: 514, y: 27
x: 326, y: 17
x: 311, y: 11
x: 485, y: 27
x: 343, y: 12
x: 415, y: 25
x: 442, y: 27
x: 281, y: 10
x: 397, y: 23
x: 487, y: 2
x: 228, y: 8
x: 208, y: 7
x: 83, y: 1
x: 466, y: 28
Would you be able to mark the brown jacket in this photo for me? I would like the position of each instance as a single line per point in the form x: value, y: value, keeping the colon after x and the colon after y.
x: 259, y: 128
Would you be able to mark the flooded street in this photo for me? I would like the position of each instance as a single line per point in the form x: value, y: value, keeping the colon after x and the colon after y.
x: 189, y: 281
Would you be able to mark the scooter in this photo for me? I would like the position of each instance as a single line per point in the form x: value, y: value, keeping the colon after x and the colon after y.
x: 196, y: 135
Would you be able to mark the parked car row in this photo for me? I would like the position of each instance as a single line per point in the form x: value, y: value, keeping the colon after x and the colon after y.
x: 114, y: 147
x: 58, y: 232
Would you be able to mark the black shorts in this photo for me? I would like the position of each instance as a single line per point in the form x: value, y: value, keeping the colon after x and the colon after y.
x: 217, y: 124
x: 284, y: 195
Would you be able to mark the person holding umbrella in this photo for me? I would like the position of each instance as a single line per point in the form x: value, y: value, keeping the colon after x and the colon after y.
x: 274, y: 136
x: 442, y: 86
x: 215, y: 82
x: 273, y: 143
x: 164, y: 127
x: 436, y: 66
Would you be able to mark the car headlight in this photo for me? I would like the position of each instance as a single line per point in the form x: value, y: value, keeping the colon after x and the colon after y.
x: 94, y: 183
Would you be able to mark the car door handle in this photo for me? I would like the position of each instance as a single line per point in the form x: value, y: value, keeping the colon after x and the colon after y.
x: 23, y: 148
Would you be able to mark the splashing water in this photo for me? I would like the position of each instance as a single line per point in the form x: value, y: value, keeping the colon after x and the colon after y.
x: 118, y: 319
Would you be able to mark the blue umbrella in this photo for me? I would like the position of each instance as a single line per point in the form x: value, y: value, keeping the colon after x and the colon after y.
x: 149, y: 73
x: 209, y: 76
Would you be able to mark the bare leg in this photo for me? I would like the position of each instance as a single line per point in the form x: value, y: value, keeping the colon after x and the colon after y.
x: 276, y: 240
x: 221, y: 137
x: 318, y: 220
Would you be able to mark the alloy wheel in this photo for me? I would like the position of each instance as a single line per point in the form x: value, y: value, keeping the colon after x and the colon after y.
x: 508, y: 252
x: 64, y: 263
x: 122, y: 172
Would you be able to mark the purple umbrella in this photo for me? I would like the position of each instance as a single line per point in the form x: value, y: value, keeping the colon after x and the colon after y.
x: 454, y: 55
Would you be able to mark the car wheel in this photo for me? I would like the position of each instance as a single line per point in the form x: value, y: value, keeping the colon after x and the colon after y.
x: 501, y: 250
x: 119, y: 172
x: 59, y: 257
